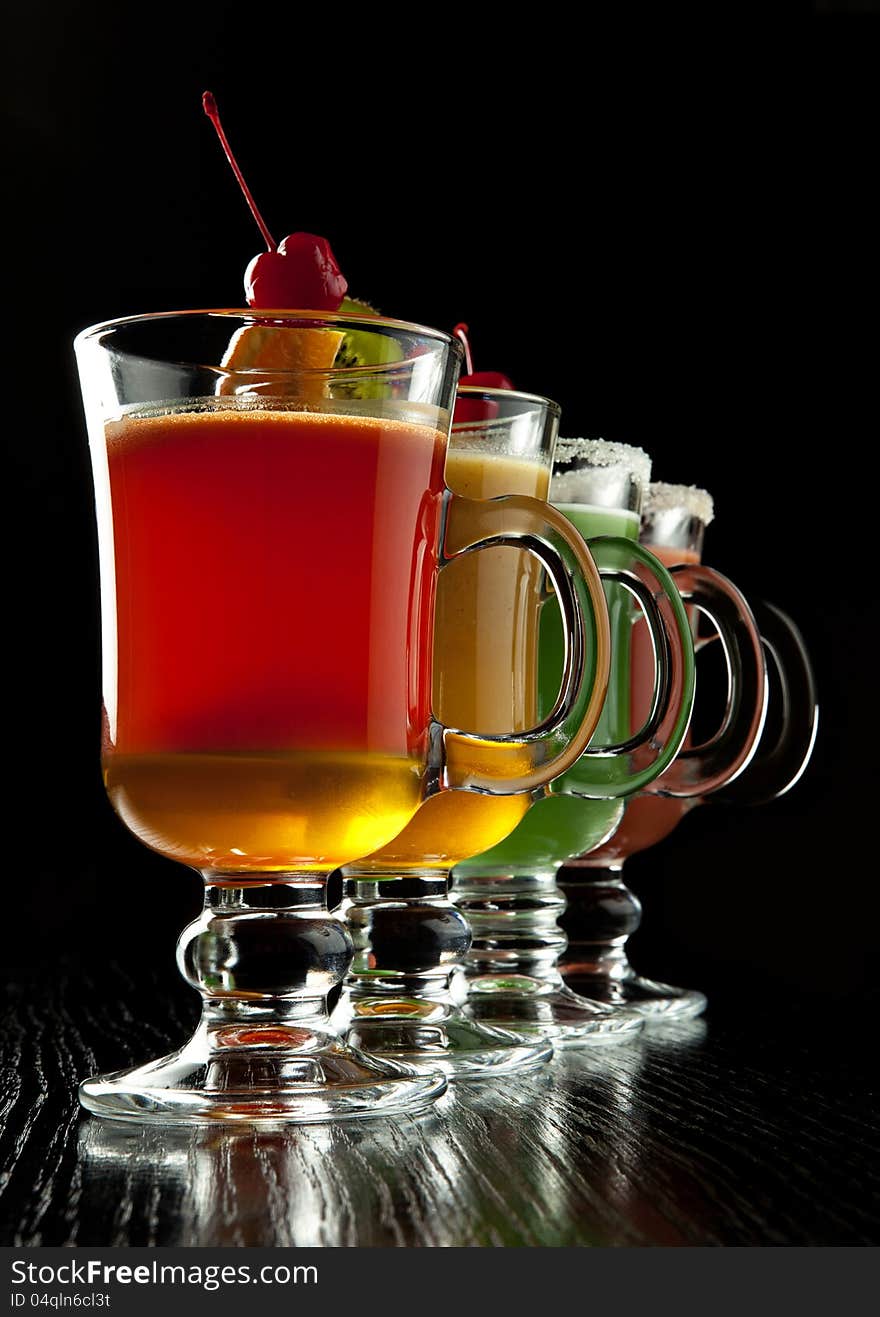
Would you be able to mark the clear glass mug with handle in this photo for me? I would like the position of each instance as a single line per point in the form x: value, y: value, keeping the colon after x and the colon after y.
x: 270, y: 529
x: 511, y: 894
x: 748, y: 759
x: 409, y: 939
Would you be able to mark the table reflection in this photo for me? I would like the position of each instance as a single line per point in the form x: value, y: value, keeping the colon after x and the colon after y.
x: 562, y: 1156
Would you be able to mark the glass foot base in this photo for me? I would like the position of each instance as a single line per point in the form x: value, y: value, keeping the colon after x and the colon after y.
x: 269, y: 1075
x: 531, y: 1007
x: 653, y: 1001
x: 428, y: 1036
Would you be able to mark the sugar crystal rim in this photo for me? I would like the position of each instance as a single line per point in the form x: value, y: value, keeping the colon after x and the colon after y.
x: 663, y: 497
x: 606, y: 453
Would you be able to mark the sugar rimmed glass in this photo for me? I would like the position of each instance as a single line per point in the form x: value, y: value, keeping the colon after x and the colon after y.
x: 749, y: 760
x: 509, y: 893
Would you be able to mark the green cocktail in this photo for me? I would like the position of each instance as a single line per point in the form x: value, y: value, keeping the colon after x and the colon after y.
x: 509, y: 893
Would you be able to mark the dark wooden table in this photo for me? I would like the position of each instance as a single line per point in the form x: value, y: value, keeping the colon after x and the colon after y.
x: 756, y: 1131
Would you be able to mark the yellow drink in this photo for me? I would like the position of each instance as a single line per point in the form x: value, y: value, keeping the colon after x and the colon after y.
x: 486, y: 650
x: 263, y: 811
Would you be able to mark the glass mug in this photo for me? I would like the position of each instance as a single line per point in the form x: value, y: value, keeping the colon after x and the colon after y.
x: 409, y: 939
x: 510, y: 894
x: 270, y: 529
x: 755, y: 760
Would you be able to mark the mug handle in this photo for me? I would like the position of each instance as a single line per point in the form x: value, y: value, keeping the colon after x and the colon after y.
x: 622, y: 768
x: 700, y: 770
x: 786, y: 746
x: 513, y: 762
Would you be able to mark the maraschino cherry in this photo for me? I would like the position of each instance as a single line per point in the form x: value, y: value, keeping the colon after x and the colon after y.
x: 470, y: 410
x: 298, y: 273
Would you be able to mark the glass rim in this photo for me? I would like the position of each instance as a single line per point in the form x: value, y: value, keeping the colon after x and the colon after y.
x: 478, y: 391
x: 663, y: 498
x: 578, y: 456
x: 310, y: 318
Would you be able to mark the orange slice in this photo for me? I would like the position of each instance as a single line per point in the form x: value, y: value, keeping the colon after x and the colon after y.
x: 278, y: 359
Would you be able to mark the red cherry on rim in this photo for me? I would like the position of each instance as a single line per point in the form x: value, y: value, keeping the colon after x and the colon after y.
x: 301, y: 272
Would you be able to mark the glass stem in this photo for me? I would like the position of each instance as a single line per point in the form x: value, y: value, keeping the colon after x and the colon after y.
x: 408, y: 937
x: 263, y: 954
x: 514, y: 921
x: 601, y: 913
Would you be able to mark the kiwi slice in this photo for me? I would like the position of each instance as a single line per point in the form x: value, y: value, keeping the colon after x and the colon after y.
x: 361, y: 348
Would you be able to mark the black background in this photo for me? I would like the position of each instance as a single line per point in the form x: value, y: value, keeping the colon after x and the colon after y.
x: 670, y: 230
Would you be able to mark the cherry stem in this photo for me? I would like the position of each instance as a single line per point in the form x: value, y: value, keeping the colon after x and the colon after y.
x: 461, y: 332
x: 209, y: 105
